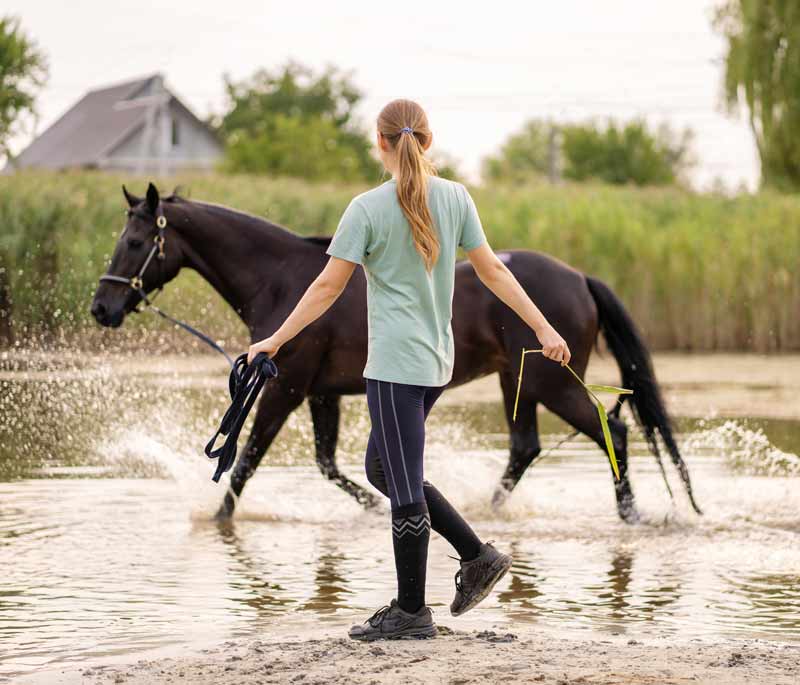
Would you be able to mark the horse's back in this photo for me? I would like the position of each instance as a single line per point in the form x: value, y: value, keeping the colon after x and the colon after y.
x: 482, y: 321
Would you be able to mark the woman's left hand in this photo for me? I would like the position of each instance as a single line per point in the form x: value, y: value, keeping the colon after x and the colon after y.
x: 269, y: 345
x: 553, y: 345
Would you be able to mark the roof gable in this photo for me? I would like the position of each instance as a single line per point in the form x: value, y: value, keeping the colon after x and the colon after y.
x: 97, y: 123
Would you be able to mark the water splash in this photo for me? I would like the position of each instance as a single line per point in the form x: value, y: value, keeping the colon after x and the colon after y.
x: 745, y: 450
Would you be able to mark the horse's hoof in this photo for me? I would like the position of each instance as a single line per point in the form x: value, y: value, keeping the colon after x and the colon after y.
x: 224, y: 514
x: 367, y: 500
x: 499, y: 497
x: 629, y: 515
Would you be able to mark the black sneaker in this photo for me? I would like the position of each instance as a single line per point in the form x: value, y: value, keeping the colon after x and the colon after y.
x: 392, y: 623
x: 476, y: 578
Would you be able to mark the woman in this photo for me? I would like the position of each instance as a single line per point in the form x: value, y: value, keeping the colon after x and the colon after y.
x: 405, y: 234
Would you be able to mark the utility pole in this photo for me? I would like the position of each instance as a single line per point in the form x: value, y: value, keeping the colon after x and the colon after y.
x: 165, y: 139
x: 157, y: 133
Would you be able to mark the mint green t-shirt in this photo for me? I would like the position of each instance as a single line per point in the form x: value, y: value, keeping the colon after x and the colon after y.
x: 409, y: 309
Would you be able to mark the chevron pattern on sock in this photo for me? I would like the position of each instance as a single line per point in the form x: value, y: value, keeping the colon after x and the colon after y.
x: 415, y: 524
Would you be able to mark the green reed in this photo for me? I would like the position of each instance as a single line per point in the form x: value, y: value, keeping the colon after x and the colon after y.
x: 697, y: 272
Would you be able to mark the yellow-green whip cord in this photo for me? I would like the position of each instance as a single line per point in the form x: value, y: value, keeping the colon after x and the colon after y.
x: 590, y: 389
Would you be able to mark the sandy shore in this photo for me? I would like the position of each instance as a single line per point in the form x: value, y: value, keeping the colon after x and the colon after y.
x: 457, y: 658
x: 694, y: 385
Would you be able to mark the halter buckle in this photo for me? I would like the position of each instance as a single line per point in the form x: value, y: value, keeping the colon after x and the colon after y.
x: 159, y: 240
x: 136, y: 283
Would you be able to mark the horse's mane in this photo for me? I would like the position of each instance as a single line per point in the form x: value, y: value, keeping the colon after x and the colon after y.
x: 323, y: 240
x: 177, y: 197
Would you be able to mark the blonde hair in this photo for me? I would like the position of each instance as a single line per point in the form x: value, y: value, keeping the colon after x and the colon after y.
x: 404, y: 125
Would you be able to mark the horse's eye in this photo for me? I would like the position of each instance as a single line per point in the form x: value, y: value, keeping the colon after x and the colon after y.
x: 134, y: 243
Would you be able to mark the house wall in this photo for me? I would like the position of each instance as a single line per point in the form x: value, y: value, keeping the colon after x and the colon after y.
x: 141, y: 152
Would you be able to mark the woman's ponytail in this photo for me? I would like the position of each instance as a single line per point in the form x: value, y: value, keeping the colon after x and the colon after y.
x: 404, y: 124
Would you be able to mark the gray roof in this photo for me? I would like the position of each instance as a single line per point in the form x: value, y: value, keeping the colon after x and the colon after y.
x: 93, y: 127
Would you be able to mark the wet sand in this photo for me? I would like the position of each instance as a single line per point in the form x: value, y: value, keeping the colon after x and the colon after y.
x: 458, y: 658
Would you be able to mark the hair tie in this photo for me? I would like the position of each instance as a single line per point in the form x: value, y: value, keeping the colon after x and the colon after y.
x: 406, y: 129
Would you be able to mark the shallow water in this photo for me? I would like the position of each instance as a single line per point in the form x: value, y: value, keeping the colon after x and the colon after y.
x: 107, y: 546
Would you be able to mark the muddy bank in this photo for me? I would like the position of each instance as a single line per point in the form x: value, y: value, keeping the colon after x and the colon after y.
x: 457, y: 658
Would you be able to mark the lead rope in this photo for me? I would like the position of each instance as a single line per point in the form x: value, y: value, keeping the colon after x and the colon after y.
x: 185, y: 326
x: 244, y: 384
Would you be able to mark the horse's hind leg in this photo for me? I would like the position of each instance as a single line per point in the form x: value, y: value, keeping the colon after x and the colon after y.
x: 325, y: 417
x: 575, y: 408
x: 273, y: 409
x: 523, y: 435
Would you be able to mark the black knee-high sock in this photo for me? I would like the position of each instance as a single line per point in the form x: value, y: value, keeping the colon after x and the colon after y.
x: 446, y: 521
x: 411, y: 532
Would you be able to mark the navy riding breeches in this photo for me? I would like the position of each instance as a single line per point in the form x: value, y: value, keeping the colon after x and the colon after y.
x: 394, y: 459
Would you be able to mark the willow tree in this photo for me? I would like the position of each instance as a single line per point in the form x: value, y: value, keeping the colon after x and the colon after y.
x: 762, y: 70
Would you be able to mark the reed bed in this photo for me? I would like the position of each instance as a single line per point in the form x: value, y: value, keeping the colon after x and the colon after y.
x: 697, y: 272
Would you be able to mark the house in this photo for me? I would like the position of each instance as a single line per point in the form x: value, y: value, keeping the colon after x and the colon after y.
x: 138, y: 126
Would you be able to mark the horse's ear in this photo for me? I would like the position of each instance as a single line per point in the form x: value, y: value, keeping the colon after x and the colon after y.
x: 132, y: 199
x: 152, y: 198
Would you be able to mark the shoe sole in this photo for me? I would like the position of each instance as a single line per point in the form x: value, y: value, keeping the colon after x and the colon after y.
x: 414, y: 634
x: 499, y: 569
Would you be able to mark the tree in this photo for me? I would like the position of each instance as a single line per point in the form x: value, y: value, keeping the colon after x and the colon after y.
x: 23, y: 71
x: 446, y: 165
x: 614, y: 153
x: 624, y: 154
x: 523, y: 154
x: 295, y: 123
x: 762, y: 68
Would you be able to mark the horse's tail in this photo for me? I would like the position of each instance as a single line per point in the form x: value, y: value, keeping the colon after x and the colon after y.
x: 636, y: 366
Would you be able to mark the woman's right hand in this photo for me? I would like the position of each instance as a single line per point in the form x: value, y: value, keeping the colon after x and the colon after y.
x: 553, y: 345
x: 269, y: 345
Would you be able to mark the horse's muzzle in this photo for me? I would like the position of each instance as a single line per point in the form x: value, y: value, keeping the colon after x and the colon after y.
x: 105, y: 317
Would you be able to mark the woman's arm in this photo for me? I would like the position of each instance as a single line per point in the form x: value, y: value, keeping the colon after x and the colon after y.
x: 317, y: 299
x: 496, y: 276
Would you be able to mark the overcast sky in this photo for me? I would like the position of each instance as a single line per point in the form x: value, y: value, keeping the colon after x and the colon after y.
x: 480, y: 69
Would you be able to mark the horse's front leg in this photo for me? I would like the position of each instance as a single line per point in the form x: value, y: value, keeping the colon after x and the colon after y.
x: 325, y: 417
x: 274, y: 407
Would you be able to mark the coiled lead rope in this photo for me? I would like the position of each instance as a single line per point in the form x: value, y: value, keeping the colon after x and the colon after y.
x: 244, y: 384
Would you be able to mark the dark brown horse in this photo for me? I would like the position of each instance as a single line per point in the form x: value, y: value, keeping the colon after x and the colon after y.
x: 262, y: 270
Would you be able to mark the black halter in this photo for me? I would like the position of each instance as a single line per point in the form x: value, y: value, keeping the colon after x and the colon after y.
x: 136, y: 283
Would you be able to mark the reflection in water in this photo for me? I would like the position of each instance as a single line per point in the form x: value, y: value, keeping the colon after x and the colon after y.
x: 613, y: 601
x: 329, y: 584
x: 772, y: 602
x: 619, y: 580
x: 248, y: 576
x: 107, y: 546
x: 523, y: 589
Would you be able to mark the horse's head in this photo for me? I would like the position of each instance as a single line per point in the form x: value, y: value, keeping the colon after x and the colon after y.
x: 147, y: 255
